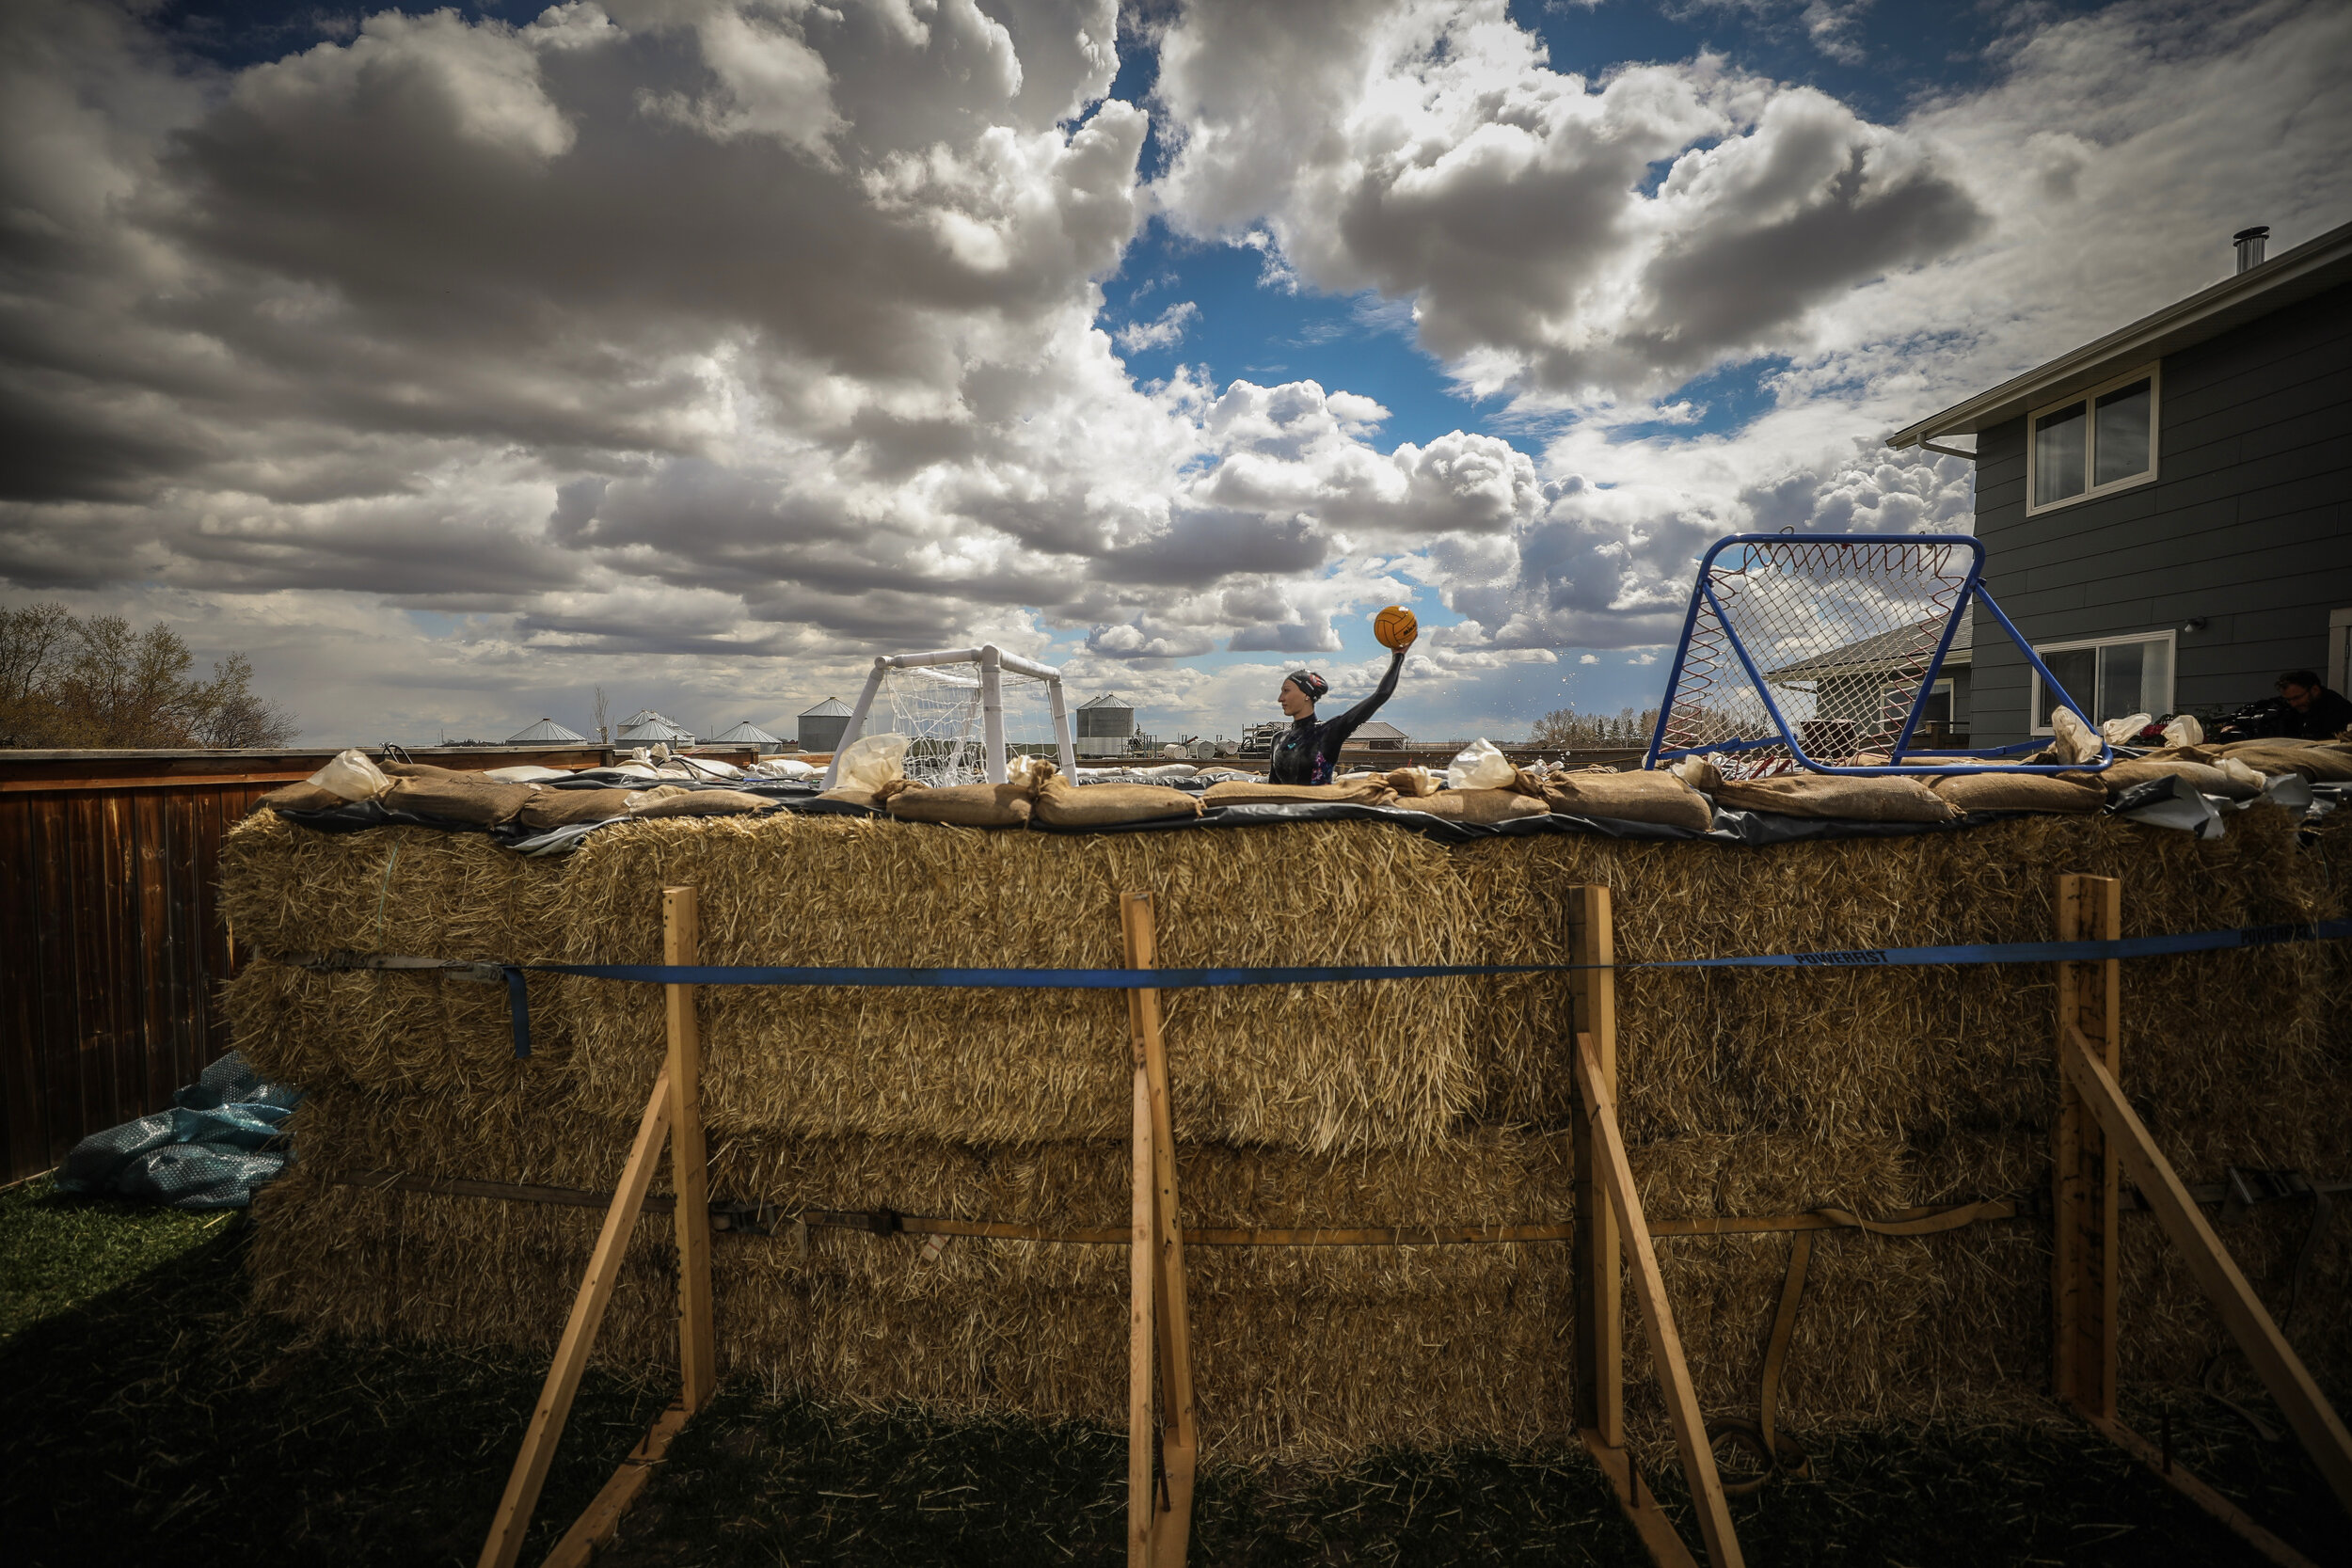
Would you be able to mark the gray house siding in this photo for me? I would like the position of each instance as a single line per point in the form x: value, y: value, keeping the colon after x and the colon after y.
x: 2248, y: 525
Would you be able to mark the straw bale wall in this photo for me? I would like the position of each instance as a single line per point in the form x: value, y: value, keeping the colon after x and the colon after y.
x: 1742, y: 1093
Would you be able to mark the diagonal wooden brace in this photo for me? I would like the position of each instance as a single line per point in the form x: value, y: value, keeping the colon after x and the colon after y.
x: 1159, y: 1505
x: 507, y: 1527
x: 2315, y: 1422
x: 1666, y: 1344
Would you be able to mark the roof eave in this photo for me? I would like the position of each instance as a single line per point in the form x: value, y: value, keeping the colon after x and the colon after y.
x: 2291, y: 275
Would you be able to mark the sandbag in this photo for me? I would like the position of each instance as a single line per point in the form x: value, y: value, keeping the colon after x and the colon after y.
x: 1643, y: 797
x: 424, y: 771
x: 1480, y: 765
x: 1372, y: 790
x: 1480, y: 807
x: 976, y: 805
x: 2320, y: 761
x: 2044, y: 792
x: 1413, y: 783
x: 1843, y: 798
x: 470, y: 799
x: 1063, y: 805
x: 562, y: 808
x: 2205, y: 778
x: 850, y: 795
x: 697, y: 802
x: 352, y: 775
x: 305, y: 796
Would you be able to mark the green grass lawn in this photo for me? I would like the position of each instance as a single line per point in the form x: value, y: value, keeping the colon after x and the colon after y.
x: 147, y: 1416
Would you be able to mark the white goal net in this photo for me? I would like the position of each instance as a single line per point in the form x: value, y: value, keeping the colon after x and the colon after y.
x: 939, y: 709
x: 965, y: 713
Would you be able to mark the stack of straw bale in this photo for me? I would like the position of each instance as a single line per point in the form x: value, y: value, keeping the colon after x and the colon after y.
x: 1744, y: 1093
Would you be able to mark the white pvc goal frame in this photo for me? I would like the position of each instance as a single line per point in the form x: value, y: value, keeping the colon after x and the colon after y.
x: 992, y: 662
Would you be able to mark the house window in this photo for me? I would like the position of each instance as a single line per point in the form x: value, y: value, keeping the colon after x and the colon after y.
x: 2111, y: 677
x: 2097, y: 441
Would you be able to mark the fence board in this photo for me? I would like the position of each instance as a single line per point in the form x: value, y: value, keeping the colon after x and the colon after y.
x: 112, y: 951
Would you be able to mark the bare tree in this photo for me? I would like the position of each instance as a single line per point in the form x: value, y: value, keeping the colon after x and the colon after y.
x: 98, y: 682
x: 604, y: 735
x: 1569, y: 729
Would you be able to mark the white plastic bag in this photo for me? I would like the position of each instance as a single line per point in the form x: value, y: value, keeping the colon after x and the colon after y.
x: 353, y: 775
x: 2121, y: 732
x: 1480, y: 766
x: 2184, y: 731
x: 525, y: 773
x: 2075, y: 741
x: 872, y: 762
x: 784, y: 767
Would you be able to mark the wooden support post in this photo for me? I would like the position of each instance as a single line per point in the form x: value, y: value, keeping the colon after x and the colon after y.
x: 1599, y: 1346
x: 506, y: 1542
x: 2283, y: 1372
x: 1649, y: 1286
x: 595, y: 1526
x: 1160, y: 1325
x: 2086, y: 1189
x: 690, y: 1164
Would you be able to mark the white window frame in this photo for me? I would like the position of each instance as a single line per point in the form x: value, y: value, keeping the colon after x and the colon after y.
x: 2170, y: 639
x: 2153, y: 373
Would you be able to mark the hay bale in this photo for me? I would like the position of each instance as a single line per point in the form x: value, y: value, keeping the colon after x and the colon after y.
x: 1320, y: 1067
x: 1898, y: 1053
x: 1497, y: 1176
x: 287, y: 891
x: 409, y: 1031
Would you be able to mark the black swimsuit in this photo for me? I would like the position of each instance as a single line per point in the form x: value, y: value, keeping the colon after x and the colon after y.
x: 1307, y: 751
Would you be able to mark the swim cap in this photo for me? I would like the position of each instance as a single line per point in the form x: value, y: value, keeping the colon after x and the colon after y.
x: 1314, y: 686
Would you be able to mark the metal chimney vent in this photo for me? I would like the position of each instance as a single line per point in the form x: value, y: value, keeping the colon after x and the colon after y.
x: 2249, y: 245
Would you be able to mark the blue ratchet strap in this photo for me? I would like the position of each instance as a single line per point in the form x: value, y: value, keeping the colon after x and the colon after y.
x: 1195, y: 979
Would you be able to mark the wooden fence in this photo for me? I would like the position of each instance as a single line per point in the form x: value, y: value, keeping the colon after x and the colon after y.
x: 112, y: 946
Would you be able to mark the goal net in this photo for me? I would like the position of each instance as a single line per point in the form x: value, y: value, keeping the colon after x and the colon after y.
x: 1824, y: 652
x: 939, y: 709
x: 964, y: 712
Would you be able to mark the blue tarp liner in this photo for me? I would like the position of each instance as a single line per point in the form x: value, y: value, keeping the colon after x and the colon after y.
x: 222, y: 1138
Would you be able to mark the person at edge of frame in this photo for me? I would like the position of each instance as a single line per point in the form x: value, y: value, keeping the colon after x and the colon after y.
x: 2304, y: 709
x: 1309, y: 751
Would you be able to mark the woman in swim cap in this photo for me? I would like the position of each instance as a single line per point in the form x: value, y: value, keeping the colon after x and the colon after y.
x: 1309, y: 752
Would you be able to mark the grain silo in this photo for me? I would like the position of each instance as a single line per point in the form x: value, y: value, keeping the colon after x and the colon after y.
x: 822, y: 726
x: 1106, y: 725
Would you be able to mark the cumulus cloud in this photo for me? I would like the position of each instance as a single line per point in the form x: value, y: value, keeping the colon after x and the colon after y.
x: 737, y: 339
x: 1424, y: 149
x: 1166, y: 330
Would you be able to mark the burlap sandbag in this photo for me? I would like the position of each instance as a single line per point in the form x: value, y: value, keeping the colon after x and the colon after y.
x: 976, y: 805
x: 1649, y: 796
x: 1413, y: 783
x: 1836, y: 797
x: 2320, y: 761
x: 2203, y: 777
x: 470, y: 799
x: 300, y: 796
x: 421, y: 770
x: 562, y: 808
x: 2046, y: 792
x: 1372, y: 790
x: 670, y: 801
x: 1480, y: 807
x: 1063, y: 805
